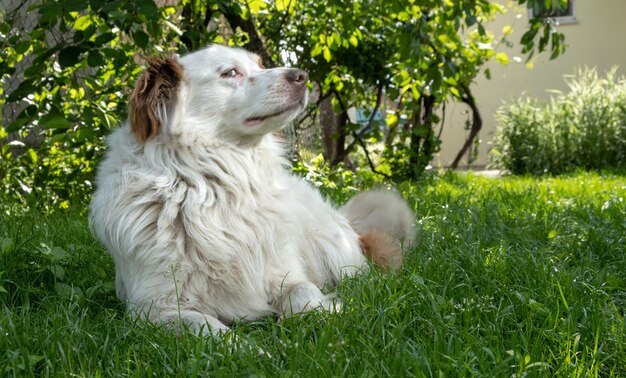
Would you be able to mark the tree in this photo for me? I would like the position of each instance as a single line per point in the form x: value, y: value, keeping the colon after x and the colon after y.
x: 417, y: 53
x: 78, y: 63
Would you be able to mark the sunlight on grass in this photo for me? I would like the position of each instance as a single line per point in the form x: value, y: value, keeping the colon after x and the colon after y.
x: 511, y: 277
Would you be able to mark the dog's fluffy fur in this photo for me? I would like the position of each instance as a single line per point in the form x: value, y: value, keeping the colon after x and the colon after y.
x: 198, y: 208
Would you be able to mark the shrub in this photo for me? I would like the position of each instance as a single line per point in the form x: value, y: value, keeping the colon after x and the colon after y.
x: 584, y: 128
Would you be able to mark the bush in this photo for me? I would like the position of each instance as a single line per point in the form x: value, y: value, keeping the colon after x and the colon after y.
x: 55, y: 176
x: 584, y: 128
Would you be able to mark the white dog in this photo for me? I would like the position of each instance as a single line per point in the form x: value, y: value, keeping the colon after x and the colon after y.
x: 200, y: 212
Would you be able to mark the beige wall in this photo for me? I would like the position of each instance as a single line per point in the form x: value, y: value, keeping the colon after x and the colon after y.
x: 597, y: 39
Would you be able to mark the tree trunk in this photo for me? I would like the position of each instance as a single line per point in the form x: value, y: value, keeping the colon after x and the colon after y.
x: 333, y: 133
x: 341, y: 155
x: 477, y: 124
x: 422, y: 136
x: 256, y: 43
x: 328, y: 122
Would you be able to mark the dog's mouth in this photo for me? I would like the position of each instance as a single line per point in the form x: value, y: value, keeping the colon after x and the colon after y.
x: 253, y: 121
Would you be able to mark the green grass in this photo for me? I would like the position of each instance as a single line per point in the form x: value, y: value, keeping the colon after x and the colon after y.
x: 511, y: 277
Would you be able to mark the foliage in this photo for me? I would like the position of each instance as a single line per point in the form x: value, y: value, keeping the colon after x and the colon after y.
x: 337, y: 182
x: 76, y: 66
x: 415, y: 54
x: 582, y: 128
x: 510, y: 277
x: 77, y: 63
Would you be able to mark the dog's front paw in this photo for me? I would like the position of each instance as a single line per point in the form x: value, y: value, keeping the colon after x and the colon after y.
x: 331, y: 303
x: 241, y: 343
x: 304, y: 297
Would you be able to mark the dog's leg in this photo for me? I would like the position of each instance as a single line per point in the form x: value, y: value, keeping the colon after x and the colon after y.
x: 305, y: 296
x: 197, y: 322
x: 120, y: 287
x: 207, y: 325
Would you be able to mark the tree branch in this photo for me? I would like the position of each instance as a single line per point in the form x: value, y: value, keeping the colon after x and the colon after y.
x: 369, y: 160
x: 443, y: 120
x: 283, y: 19
x: 366, y: 128
x: 312, y: 109
x: 341, y: 104
x: 477, y: 123
x: 256, y: 43
x: 393, y: 128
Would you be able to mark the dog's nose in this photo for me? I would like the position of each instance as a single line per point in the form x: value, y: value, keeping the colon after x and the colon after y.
x: 297, y: 76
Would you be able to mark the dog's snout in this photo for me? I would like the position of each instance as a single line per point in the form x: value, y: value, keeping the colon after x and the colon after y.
x: 297, y: 76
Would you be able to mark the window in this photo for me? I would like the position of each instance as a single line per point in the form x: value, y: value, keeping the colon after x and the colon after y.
x: 561, y: 16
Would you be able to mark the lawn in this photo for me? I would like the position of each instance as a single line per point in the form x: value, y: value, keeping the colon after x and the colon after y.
x: 510, y: 277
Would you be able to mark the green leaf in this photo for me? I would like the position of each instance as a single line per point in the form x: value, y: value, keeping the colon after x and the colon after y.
x: 95, y: 59
x: 58, y: 253
x: 147, y: 8
x: 141, y: 38
x: 69, y: 56
x: 545, y: 38
x: 470, y: 19
x: 422, y: 131
x: 529, y: 35
x: 56, y: 122
x: 256, y: 5
x: 354, y: 41
x: 67, y: 291
x: 84, y: 134
x: 317, y: 49
x: 25, y: 116
x: 282, y: 5
x: 32, y: 155
x: 57, y: 271
x: 82, y: 22
x: 49, y: 12
x: 75, y: 5
x: 391, y: 119
x: 435, y: 75
x: 25, y: 88
x: 104, y: 38
x: 326, y: 53
x: 22, y: 47
x: 415, y: 92
x: 403, y: 16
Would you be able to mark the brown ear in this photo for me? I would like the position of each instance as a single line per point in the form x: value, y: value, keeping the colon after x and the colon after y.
x: 154, y: 93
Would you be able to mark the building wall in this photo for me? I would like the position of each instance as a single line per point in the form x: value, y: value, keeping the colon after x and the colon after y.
x: 596, y: 39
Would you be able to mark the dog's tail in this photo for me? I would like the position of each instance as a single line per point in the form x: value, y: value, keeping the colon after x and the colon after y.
x: 384, y: 222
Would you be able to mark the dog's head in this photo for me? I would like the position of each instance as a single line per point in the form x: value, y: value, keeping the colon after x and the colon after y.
x: 218, y: 92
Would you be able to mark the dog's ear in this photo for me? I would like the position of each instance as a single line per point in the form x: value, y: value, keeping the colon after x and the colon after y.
x: 154, y: 93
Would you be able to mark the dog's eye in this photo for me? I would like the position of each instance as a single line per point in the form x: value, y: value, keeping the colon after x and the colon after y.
x: 231, y: 72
